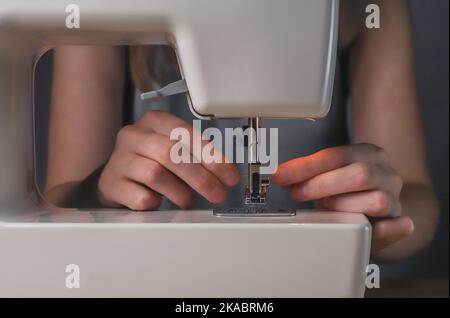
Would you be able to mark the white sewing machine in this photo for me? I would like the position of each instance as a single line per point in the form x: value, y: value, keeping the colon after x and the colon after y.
x: 225, y: 49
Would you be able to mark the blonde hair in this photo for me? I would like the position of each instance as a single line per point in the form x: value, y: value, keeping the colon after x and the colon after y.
x: 146, y: 65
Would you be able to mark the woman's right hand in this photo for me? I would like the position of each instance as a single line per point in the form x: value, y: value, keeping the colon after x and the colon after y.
x: 140, y: 171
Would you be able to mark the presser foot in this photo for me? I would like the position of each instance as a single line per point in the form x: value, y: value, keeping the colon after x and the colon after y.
x: 254, y: 198
x: 256, y: 191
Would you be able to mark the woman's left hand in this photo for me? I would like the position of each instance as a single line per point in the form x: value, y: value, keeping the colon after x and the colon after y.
x: 354, y: 178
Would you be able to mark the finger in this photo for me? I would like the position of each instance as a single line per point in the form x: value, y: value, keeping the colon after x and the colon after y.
x: 158, y: 147
x: 304, y: 168
x: 123, y: 192
x: 164, y: 123
x: 388, y: 231
x: 352, y: 178
x: 161, y: 122
x: 156, y: 177
x: 374, y: 203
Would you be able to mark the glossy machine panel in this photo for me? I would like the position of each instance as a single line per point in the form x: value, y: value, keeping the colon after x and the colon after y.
x: 184, y: 254
x: 252, y: 58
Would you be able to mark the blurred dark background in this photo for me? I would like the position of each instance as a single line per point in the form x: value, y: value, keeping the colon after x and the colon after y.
x: 430, y: 18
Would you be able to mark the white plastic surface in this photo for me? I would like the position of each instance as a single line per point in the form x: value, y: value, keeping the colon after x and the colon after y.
x: 185, y: 254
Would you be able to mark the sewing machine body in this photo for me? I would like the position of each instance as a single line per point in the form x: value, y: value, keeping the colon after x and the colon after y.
x: 187, y: 253
x: 239, y: 58
x: 184, y: 254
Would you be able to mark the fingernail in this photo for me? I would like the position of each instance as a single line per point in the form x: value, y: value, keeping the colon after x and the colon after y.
x: 281, y: 176
x: 411, y: 227
x: 231, y: 178
x: 300, y: 192
x: 218, y: 194
x: 190, y: 204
